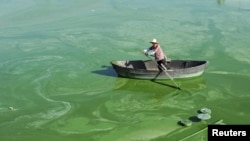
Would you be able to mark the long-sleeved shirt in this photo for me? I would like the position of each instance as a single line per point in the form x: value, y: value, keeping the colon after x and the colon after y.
x: 156, y: 52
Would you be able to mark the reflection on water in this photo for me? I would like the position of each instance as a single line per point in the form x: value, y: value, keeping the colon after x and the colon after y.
x: 159, y: 86
x: 106, y: 71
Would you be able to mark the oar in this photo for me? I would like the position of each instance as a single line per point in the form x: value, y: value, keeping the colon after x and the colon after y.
x: 165, y: 70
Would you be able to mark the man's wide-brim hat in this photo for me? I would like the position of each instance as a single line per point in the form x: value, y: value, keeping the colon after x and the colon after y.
x: 154, y: 41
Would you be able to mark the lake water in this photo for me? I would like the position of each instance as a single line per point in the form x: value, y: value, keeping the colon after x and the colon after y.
x: 57, y: 83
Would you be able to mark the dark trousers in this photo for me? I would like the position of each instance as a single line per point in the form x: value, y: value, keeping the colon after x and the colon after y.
x: 164, y: 63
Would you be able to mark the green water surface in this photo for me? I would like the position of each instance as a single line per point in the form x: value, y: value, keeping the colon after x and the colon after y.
x: 57, y: 83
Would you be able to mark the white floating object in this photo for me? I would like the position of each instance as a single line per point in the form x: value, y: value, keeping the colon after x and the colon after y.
x: 12, y: 108
x: 204, y: 116
x: 205, y: 111
x: 186, y: 122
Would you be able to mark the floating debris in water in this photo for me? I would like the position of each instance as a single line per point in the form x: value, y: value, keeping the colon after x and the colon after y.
x: 204, y: 116
x: 205, y: 111
x: 185, y: 122
x: 12, y: 108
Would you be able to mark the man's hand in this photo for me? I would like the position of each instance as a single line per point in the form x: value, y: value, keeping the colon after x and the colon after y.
x: 143, y: 51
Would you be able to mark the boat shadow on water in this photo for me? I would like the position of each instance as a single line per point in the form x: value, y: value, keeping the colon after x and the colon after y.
x: 159, y: 86
x: 165, y: 84
x: 106, y: 70
x: 189, y: 83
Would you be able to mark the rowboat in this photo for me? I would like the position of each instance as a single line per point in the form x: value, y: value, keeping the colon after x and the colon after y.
x: 148, y: 69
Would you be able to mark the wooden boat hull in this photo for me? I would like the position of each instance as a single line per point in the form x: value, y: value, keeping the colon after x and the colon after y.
x: 147, y: 69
